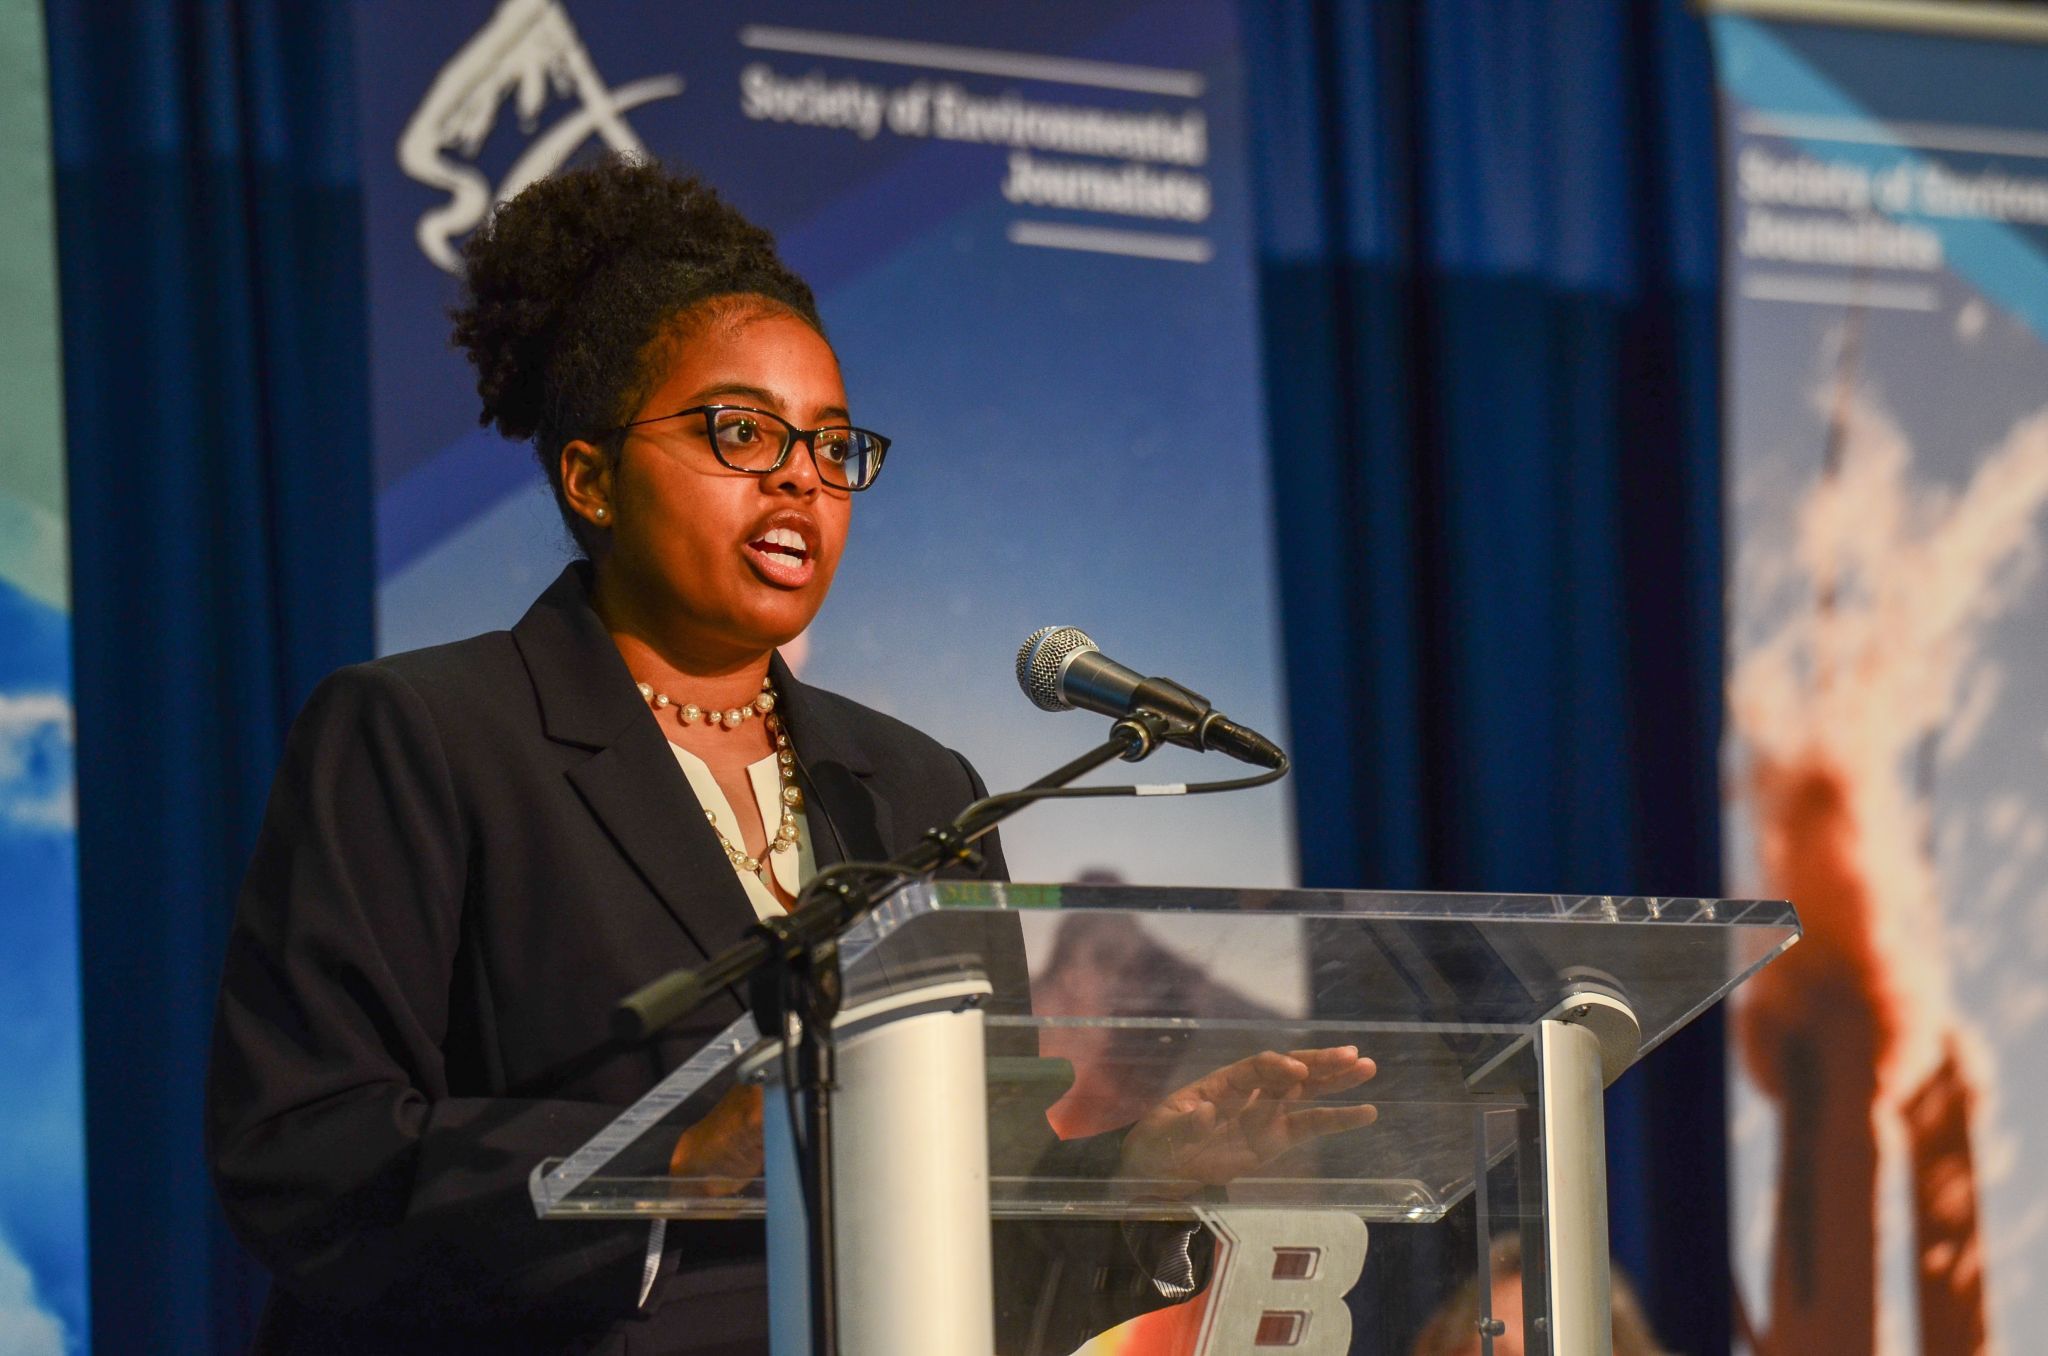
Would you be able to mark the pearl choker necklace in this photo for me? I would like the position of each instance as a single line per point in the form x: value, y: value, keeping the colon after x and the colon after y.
x: 785, y: 767
x: 691, y: 713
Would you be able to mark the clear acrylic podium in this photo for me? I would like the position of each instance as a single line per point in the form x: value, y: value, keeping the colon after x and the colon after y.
x: 997, y: 1042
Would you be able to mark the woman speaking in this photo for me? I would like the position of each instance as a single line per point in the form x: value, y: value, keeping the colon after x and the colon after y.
x: 472, y: 851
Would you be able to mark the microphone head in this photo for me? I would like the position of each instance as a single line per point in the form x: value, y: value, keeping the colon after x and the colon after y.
x: 1042, y: 659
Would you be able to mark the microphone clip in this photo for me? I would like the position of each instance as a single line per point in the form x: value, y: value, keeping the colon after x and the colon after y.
x: 1144, y: 730
x: 1162, y: 711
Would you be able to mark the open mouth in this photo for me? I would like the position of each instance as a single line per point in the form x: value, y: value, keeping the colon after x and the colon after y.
x: 783, y: 545
x: 782, y: 555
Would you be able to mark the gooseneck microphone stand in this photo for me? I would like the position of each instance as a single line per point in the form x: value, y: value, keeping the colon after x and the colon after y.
x: 790, y: 965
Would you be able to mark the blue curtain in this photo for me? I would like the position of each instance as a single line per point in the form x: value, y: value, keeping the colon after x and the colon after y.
x: 1489, y: 262
x: 216, y: 397
x: 1488, y: 256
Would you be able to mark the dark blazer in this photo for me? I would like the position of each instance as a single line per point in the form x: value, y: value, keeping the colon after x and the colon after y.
x: 470, y: 853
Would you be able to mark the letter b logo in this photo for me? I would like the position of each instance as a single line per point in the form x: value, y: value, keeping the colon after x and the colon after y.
x: 1280, y: 1281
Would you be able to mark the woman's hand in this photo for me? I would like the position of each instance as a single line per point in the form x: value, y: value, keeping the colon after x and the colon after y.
x: 1245, y: 1115
x: 721, y: 1153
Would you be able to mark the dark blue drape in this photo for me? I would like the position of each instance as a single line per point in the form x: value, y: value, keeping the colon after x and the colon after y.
x: 1489, y: 259
x: 1489, y: 267
x: 215, y: 379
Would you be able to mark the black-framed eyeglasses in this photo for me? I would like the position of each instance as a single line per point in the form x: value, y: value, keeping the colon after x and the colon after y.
x: 758, y: 443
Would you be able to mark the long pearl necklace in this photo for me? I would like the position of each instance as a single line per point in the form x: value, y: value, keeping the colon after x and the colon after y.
x: 785, y: 767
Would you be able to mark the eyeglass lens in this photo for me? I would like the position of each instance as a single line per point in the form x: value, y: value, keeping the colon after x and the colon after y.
x: 751, y: 440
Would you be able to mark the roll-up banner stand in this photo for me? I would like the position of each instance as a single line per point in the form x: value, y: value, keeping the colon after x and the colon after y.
x: 43, y: 1285
x: 1887, y: 738
x: 1029, y: 232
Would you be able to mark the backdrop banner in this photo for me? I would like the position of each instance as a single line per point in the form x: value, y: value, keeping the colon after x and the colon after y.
x: 1887, y: 753
x: 1029, y: 233
x: 43, y: 1291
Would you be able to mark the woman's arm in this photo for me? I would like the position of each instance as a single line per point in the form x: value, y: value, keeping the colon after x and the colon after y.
x: 342, y: 1160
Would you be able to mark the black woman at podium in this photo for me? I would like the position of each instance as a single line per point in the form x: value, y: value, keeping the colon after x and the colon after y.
x: 472, y: 851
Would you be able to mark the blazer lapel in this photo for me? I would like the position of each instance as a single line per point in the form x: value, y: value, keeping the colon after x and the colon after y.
x: 631, y: 781
x: 846, y: 820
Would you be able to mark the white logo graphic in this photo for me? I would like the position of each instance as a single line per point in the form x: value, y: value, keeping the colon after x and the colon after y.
x: 1280, y: 1280
x: 37, y: 748
x: 528, y: 50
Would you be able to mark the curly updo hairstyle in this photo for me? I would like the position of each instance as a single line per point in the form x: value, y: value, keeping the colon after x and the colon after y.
x: 572, y: 287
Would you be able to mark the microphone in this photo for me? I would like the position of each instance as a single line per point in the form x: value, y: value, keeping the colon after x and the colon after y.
x: 1060, y: 668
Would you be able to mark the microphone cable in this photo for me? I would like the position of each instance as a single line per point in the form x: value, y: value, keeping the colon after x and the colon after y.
x: 1006, y: 802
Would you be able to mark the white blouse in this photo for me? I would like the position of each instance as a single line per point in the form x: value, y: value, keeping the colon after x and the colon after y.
x: 791, y: 868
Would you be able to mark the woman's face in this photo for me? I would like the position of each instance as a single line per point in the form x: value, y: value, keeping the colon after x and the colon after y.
x: 702, y: 552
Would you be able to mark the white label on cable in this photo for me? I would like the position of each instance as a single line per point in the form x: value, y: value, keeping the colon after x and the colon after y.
x: 1163, y: 789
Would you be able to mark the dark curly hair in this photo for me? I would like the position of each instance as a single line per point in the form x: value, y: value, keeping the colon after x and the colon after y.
x: 571, y: 286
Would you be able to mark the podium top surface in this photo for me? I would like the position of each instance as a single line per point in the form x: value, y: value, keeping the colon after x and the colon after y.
x: 1108, y: 997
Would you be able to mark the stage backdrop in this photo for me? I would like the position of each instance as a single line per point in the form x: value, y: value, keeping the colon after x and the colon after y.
x: 1887, y: 754
x: 1029, y: 233
x: 42, y: 1113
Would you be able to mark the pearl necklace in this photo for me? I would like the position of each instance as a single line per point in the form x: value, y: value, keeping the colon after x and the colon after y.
x: 691, y: 713
x: 785, y: 767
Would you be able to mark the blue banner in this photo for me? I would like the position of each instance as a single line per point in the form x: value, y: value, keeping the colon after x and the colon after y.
x: 1029, y: 232
x: 1887, y: 367
x: 43, y: 1285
